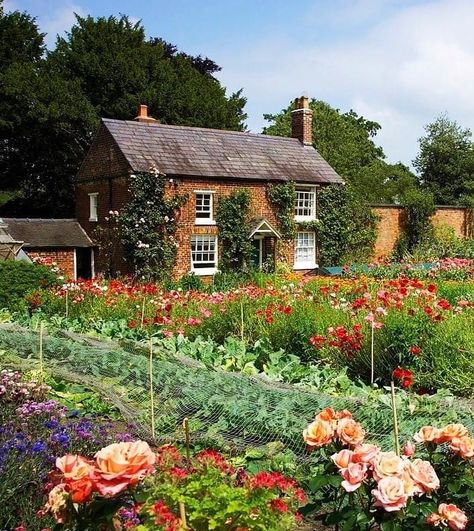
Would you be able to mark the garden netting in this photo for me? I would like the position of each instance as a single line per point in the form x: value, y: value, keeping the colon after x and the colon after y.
x: 229, y: 408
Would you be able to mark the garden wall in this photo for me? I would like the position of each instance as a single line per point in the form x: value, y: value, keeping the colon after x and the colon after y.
x: 391, y: 223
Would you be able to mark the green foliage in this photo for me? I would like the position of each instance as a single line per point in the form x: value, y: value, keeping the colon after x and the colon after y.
x: 232, y: 220
x: 148, y: 224
x: 419, y: 207
x: 445, y: 162
x: 104, y: 67
x: 18, y: 278
x: 348, y: 228
x: 346, y: 141
x: 283, y: 198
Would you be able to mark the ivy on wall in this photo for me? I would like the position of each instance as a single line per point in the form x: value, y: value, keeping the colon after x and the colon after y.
x: 148, y: 225
x: 232, y: 220
x: 283, y: 198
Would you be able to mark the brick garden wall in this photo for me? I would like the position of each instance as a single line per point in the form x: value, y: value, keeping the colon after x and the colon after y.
x: 391, y: 224
x: 64, y: 258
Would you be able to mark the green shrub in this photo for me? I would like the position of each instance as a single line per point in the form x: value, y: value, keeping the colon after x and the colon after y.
x: 19, y: 278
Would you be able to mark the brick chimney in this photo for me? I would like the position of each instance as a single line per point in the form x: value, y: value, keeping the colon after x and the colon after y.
x: 143, y: 115
x: 302, y: 121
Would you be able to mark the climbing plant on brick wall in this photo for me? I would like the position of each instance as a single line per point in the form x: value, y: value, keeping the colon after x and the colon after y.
x: 148, y: 225
x: 283, y: 197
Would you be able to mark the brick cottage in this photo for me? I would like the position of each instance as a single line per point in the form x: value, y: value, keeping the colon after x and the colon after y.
x: 207, y: 164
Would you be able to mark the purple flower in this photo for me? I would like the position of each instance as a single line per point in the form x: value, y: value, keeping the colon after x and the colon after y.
x: 38, y: 447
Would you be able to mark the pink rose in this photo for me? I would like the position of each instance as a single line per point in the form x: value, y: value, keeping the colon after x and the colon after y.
x: 423, y: 476
x: 342, y: 458
x: 74, y: 467
x: 387, y: 464
x: 409, y: 449
x: 427, y: 434
x: 353, y: 476
x: 365, y: 453
x: 463, y: 446
x: 448, y: 515
x: 122, y: 464
x: 390, y: 494
x: 318, y: 433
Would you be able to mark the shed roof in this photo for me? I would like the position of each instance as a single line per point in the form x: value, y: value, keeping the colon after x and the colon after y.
x: 47, y: 232
x: 200, y: 152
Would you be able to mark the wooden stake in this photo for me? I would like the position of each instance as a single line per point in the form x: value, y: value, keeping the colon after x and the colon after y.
x: 152, y: 398
x: 41, y: 363
x: 241, y: 320
x: 395, y: 418
x: 187, y: 439
x: 372, y: 360
x: 143, y: 312
x: 67, y: 303
x: 182, y: 515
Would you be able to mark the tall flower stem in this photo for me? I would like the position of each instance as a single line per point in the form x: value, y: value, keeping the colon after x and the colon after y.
x: 372, y: 357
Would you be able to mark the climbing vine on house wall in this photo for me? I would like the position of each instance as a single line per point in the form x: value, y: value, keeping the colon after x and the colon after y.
x: 148, y: 225
x: 283, y: 198
x: 348, y: 227
x: 232, y: 220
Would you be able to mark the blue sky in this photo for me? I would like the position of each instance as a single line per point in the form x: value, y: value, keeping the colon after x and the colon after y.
x: 399, y: 62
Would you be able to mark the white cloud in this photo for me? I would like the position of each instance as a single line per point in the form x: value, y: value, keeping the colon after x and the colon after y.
x: 405, y: 68
x: 58, y: 21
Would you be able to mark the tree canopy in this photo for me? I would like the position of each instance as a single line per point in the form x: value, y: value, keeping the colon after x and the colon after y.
x: 51, y: 102
x: 446, y: 162
x: 346, y: 141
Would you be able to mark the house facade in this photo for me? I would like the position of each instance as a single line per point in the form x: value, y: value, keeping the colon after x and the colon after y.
x: 206, y: 164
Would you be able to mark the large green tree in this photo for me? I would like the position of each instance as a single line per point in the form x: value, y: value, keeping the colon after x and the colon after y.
x: 51, y: 102
x: 445, y: 162
x: 346, y: 141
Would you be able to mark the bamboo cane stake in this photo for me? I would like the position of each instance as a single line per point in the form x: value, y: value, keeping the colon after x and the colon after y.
x: 187, y: 439
x: 372, y: 357
x: 143, y: 312
x: 152, y: 399
x: 242, y: 321
x: 182, y: 515
x: 40, y: 352
x: 395, y: 418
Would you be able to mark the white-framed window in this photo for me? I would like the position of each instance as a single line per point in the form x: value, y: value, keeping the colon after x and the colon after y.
x: 305, y: 250
x: 204, y: 254
x: 93, y: 202
x: 204, y: 207
x: 305, y: 205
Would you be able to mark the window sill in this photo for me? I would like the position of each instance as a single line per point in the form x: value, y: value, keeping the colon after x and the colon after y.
x: 305, y: 218
x: 204, y: 222
x: 204, y: 272
x: 306, y: 265
x: 93, y: 219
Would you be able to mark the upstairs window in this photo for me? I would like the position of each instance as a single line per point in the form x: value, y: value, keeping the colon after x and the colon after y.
x: 93, y: 202
x: 204, y: 207
x: 305, y: 207
x: 204, y: 254
x: 305, y: 250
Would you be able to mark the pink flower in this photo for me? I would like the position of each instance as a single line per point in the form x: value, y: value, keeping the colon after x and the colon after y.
x: 450, y: 515
x: 387, y: 464
x: 423, y: 476
x: 365, y: 453
x: 390, y: 494
x: 342, y: 458
x: 409, y: 449
x: 353, y: 476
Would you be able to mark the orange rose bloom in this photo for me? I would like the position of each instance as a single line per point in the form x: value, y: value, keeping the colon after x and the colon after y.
x: 350, y: 432
x: 344, y: 414
x: 318, y: 433
x: 328, y: 415
x: 427, y: 434
x: 450, y: 515
x: 122, y: 464
x: 463, y: 446
x: 450, y: 432
x: 365, y: 453
x: 387, y: 464
x: 423, y: 475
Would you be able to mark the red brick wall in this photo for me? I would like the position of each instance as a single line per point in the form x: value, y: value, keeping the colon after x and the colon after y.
x: 64, y: 259
x: 391, y: 223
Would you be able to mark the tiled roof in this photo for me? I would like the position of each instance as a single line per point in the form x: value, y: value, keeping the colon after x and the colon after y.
x: 199, y: 152
x: 47, y: 232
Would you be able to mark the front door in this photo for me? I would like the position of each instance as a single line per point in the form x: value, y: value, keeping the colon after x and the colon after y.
x: 83, y: 262
x: 257, y: 253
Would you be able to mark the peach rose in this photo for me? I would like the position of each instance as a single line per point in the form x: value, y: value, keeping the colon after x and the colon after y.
x: 343, y: 414
x: 387, y: 464
x: 122, y: 464
x: 450, y: 515
x: 452, y: 431
x: 463, y: 446
x: 342, y: 458
x: 328, y: 415
x: 409, y: 449
x: 57, y: 503
x: 390, y: 494
x: 81, y: 489
x: 353, y: 476
x: 350, y: 432
x: 74, y: 467
x: 427, y: 434
x: 423, y: 475
x: 318, y: 433
x: 365, y: 453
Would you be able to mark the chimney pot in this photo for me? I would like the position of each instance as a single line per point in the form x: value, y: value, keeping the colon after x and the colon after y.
x: 302, y: 121
x: 142, y: 115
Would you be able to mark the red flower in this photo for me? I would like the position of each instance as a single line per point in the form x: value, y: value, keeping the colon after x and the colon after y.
x: 279, y: 505
x: 415, y: 350
x: 431, y: 288
x: 405, y: 377
x: 317, y: 341
x: 444, y: 304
